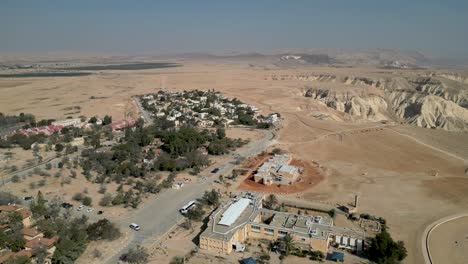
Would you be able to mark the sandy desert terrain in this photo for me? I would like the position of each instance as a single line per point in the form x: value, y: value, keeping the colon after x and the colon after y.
x: 391, y: 166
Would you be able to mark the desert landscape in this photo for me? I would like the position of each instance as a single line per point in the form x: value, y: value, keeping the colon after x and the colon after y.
x: 397, y: 137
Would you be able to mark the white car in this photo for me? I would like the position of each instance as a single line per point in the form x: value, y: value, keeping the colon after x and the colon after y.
x: 80, y: 208
x: 134, y: 226
x: 90, y: 210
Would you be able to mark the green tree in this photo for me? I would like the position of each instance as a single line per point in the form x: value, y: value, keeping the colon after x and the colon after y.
x: 38, y: 207
x: 87, y: 201
x: 220, y: 133
x: 196, y: 213
x: 288, y: 244
x: 103, y: 229
x: 92, y: 120
x: 107, y: 120
x: 18, y: 260
x: 277, y: 151
x: 211, y: 198
x: 270, y: 202
x: 384, y: 250
x: 16, y: 241
x: 59, y: 147
x: 15, y: 221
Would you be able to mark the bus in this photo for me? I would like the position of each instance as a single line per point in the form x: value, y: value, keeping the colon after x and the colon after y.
x: 187, y: 207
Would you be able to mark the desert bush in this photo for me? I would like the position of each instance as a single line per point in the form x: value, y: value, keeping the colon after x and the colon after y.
x: 41, y: 183
x: 87, y: 201
x: 15, y: 179
x: 135, y: 255
x: 106, y: 200
x: 78, y: 197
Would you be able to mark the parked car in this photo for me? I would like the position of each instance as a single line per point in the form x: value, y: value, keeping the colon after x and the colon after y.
x: 134, y: 226
x: 28, y: 198
x: 215, y: 170
x: 90, y: 210
x: 67, y: 205
x: 80, y: 208
x: 100, y: 212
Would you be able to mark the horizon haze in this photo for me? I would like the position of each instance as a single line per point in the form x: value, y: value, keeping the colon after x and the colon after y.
x: 438, y: 30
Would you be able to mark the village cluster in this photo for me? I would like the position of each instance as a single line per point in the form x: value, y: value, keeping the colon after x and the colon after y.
x: 34, y: 239
x: 58, y: 125
x: 203, y: 109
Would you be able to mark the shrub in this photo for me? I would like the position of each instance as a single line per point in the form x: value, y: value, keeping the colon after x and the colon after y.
x: 41, y: 183
x: 135, y: 255
x: 15, y: 179
x: 177, y: 260
x: 106, y: 200
x: 87, y: 201
x: 102, y: 189
x: 103, y: 229
x: 78, y: 197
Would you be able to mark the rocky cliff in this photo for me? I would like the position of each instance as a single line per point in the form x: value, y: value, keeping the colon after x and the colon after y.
x: 426, y: 101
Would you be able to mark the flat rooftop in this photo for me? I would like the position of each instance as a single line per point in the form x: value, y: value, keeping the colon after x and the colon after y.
x: 218, y: 229
x: 303, y: 225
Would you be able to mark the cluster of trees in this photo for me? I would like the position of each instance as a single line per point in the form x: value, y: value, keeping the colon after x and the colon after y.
x: 85, y: 200
x: 245, y: 116
x: 74, y: 233
x: 58, y: 140
x: 383, y: 249
x: 180, y: 152
x: 12, y: 239
x: 13, y: 120
x: 23, y: 141
x: 129, y: 198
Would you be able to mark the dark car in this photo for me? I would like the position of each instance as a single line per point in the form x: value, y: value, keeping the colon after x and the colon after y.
x: 28, y: 198
x: 67, y: 205
x: 100, y: 212
x: 215, y: 170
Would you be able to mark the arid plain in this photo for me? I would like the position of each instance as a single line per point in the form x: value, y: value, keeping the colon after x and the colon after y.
x: 410, y: 176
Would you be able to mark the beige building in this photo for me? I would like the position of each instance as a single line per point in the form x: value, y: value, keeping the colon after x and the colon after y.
x: 244, y: 218
x: 26, y: 215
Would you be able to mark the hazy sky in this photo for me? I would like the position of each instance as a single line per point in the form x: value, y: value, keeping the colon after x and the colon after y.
x: 438, y: 28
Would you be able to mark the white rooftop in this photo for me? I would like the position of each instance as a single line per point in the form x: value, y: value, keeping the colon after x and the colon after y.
x: 288, y: 169
x: 234, y: 211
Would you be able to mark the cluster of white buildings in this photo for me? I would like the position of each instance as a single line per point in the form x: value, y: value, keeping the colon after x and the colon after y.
x: 197, y: 108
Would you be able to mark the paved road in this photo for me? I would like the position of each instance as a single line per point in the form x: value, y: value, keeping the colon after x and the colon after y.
x: 146, y: 116
x: 161, y: 213
x: 427, y: 234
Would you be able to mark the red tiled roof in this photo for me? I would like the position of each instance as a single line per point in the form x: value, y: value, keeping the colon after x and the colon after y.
x: 31, y: 232
x: 41, y: 241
